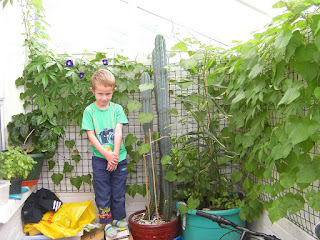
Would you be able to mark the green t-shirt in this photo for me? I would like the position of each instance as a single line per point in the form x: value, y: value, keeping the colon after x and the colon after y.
x: 103, y: 123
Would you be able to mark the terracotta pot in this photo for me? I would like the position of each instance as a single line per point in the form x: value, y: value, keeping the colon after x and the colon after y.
x: 166, y: 231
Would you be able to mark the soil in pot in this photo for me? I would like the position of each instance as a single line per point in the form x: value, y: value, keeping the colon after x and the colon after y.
x: 145, y: 230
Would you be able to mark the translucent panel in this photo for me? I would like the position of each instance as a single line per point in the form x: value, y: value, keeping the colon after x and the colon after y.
x: 132, y: 25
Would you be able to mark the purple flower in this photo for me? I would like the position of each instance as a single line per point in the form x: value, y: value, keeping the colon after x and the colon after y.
x: 81, y: 75
x: 105, y: 62
x: 69, y: 63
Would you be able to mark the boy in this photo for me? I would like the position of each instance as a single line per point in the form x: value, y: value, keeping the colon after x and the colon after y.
x: 103, y: 120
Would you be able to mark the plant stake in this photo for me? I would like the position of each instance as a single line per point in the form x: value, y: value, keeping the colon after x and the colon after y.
x: 154, y: 179
x: 146, y: 177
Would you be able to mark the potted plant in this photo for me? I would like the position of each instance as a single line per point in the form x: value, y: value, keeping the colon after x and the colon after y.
x: 199, y: 158
x: 38, y: 135
x: 159, y: 221
x: 15, y: 166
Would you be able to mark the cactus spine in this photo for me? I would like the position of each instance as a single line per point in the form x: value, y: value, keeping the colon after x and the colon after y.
x: 159, y: 61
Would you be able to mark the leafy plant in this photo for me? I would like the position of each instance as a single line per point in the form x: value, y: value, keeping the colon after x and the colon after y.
x: 36, y: 131
x: 15, y: 164
x: 59, y: 86
x: 199, y: 155
x: 274, y: 93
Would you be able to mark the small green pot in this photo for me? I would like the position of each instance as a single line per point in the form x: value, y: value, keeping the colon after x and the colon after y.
x: 37, y: 168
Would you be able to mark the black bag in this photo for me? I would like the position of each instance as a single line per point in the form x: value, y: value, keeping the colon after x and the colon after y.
x: 37, y: 204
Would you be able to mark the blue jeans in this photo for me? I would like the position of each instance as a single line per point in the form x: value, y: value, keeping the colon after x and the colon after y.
x: 109, y: 189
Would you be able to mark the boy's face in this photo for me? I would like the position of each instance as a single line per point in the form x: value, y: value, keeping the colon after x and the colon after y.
x: 103, y: 95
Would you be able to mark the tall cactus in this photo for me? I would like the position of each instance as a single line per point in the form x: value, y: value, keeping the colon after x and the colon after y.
x: 159, y: 61
x: 147, y: 108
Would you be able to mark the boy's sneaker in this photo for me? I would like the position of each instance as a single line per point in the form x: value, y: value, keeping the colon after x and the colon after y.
x: 110, y: 231
x: 119, y: 224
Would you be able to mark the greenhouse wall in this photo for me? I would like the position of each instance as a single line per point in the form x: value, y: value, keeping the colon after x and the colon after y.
x: 12, y: 61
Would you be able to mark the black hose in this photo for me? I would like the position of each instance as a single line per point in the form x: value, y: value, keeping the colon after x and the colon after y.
x: 222, y: 220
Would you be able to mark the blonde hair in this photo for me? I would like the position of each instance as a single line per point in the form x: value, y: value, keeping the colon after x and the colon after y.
x: 103, y: 77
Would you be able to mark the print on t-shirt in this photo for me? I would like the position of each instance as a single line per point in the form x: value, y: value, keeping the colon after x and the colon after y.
x: 106, y: 136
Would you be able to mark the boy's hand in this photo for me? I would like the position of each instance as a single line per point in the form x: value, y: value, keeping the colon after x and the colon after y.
x: 112, y: 159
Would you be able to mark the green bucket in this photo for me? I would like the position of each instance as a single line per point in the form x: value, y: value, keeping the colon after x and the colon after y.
x: 197, y: 227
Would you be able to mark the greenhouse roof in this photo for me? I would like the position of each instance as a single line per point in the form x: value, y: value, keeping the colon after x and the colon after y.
x: 131, y: 25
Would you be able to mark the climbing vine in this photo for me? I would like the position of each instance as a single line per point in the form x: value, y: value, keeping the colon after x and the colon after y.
x: 275, y: 122
x: 58, y: 86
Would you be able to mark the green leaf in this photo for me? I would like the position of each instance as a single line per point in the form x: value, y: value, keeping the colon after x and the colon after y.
x: 58, y: 130
x: 183, y: 209
x: 173, y: 112
x: 20, y: 81
x: 278, y: 210
x: 309, y: 173
x: 188, y: 64
x: 76, y: 158
x: 247, y: 184
x: 283, y: 39
x: 56, y: 178
x: 51, y: 164
x: 256, y: 70
x: 166, y: 159
x: 146, y: 86
x: 305, y: 53
x: 296, y: 129
x: 69, y: 144
x: 295, y: 42
x: 313, y: 200
x: 130, y: 140
x: 156, y: 136
x: 287, y: 180
x: 291, y: 94
x: 180, y: 46
x: 294, y: 202
x: 77, y: 182
x: 193, y: 203
x: 236, y: 176
x: 241, y: 95
x: 87, y: 178
x: 317, y: 92
x: 308, y: 70
x: 134, y: 105
x: 144, y: 148
x: 171, y: 176
x: 183, y: 83
x: 4, y: 3
x: 247, y: 140
x: 132, y: 190
x: 279, y: 4
x: 67, y: 167
x: 145, y: 117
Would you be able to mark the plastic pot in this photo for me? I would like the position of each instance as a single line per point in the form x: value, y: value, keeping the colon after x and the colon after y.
x: 15, y: 187
x: 34, y: 175
x: 197, y: 227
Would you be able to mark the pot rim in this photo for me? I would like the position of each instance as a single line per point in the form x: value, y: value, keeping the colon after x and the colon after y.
x: 132, y: 223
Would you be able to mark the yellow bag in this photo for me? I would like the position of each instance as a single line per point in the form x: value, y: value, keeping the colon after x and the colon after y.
x: 66, y: 222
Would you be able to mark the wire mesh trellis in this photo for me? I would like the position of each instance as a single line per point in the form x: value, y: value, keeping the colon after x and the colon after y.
x: 306, y: 219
